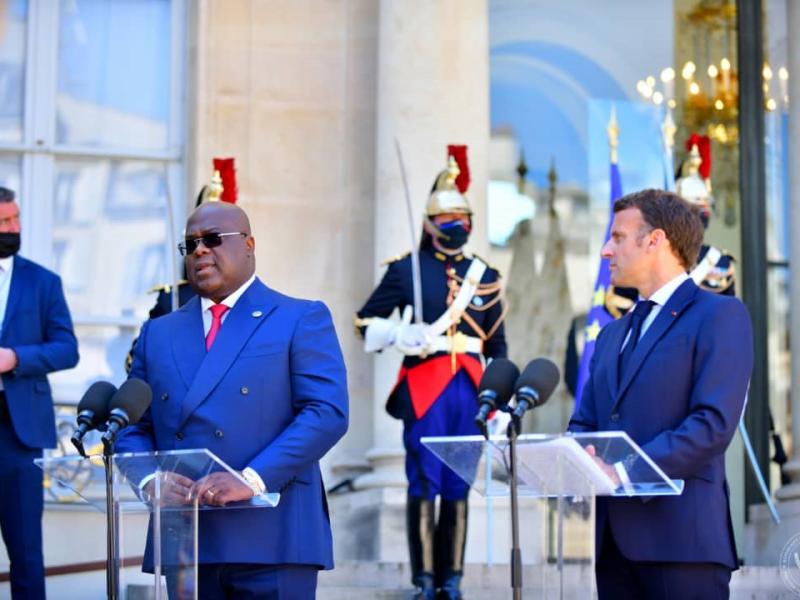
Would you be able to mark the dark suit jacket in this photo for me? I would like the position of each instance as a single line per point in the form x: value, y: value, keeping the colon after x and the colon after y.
x: 38, y: 327
x: 271, y: 394
x: 680, y: 400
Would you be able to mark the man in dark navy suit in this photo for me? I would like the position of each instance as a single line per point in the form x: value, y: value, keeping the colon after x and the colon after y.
x: 673, y: 374
x: 36, y: 339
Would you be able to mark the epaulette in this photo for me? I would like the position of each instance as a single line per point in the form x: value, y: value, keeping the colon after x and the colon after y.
x: 488, y: 264
x: 164, y: 287
x: 389, y: 261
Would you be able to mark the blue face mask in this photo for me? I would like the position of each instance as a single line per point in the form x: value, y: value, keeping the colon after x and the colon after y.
x: 457, y: 234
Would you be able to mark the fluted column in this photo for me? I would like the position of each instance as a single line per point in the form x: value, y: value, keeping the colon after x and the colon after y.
x: 432, y: 90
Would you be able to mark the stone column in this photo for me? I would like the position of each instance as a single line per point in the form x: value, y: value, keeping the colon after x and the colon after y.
x: 792, y: 468
x: 433, y: 61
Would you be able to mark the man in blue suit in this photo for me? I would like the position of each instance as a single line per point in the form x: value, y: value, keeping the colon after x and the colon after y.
x: 36, y: 339
x: 257, y: 378
x: 673, y: 374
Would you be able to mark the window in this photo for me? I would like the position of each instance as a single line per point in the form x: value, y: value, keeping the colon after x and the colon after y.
x: 92, y: 139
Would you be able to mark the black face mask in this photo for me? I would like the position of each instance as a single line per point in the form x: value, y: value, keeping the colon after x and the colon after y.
x: 9, y: 244
x: 457, y: 235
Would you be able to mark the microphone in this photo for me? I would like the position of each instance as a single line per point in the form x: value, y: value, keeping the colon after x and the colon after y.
x: 535, y: 385
x: 92, y: 411
x: 126, y: 408
x: 495, y: 389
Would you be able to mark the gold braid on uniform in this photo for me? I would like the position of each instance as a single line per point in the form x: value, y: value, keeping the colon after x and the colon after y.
x: 484, y: 289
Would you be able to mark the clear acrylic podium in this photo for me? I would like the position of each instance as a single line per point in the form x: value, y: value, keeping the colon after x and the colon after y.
x: 169, y: 527
x: 559, y: 479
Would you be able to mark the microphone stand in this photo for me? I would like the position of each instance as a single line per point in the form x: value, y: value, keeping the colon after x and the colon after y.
x: 112, y: 525
x: 516, y: 553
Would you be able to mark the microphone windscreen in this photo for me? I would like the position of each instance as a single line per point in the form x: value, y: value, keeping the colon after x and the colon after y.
x: 134, y: 396
x: 542, y: 376
x: 499, y: 377
x: 96, y: 399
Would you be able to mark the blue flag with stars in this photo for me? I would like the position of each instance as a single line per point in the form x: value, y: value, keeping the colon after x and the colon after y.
x: 598, y: 316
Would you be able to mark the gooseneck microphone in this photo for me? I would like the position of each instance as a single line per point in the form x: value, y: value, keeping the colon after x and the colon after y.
x: 92, y: 411
x: 126, y: 408
x: 495, y: 389
x: 535, y: 385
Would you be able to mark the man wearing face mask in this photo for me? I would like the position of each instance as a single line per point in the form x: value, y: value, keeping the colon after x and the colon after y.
x: 436, y: 392
x: 36, y: 339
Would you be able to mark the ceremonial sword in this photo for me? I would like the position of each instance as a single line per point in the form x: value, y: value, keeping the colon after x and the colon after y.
x: 416, y: 278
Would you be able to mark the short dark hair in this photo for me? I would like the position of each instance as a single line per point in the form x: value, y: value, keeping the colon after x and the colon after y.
x: 679, y: 220
x: 6, y: 195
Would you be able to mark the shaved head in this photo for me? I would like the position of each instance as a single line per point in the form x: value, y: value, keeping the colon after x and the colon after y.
x: 219, y: 271
x: 222, y: 210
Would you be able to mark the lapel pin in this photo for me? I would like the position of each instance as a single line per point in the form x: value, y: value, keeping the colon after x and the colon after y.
x: 257, y: 313
x: 674, y: 313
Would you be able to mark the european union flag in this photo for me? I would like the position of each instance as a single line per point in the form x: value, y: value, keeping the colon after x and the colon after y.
x: 598, y: 316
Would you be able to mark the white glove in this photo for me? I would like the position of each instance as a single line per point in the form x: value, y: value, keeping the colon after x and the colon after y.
x: 412, y: 339
x: 379, y: 334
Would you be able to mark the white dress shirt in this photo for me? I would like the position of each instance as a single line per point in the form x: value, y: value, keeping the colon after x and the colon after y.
x: 660, y: 297
x: 6, y: 270
x: 230, y: 301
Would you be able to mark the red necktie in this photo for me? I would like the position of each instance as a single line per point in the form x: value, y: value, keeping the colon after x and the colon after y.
x: 216, y: 322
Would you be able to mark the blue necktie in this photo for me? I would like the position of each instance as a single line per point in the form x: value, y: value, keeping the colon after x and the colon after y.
x: 638, y: 317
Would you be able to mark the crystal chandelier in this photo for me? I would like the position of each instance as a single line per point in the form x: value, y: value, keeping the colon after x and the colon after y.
x: 706, y: 94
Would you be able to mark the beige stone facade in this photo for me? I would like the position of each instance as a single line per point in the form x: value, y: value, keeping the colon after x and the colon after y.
x: 309, y: 97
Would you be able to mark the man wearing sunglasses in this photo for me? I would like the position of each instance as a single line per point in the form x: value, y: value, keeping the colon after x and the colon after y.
x: 257, y: 378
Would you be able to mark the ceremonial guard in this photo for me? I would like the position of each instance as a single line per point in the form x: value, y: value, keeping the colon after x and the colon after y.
x: 457, y: 325
x: 715, y: 270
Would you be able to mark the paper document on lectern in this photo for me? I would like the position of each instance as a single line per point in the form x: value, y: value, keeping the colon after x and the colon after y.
x: 564, y: 462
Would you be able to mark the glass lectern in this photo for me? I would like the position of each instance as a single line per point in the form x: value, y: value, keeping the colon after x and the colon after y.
x: 565, y: 473
x: 172, y: 547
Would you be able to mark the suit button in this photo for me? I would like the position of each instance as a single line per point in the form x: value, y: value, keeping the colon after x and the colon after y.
x: 615, y: 417
x: 244, y: 391
x: 164, y: 396
x: 179, y: 436
x: 218, y: 433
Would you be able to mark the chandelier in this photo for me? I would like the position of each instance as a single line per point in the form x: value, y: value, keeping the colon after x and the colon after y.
x: 707, y: 92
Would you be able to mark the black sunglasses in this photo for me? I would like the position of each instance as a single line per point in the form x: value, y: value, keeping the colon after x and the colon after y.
x: 210, y: 240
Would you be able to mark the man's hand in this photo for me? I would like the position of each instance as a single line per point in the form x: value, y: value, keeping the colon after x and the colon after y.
x: 175, y: 489
x: 220, y: 488
x: 606, y: 468
x: 8, y: 360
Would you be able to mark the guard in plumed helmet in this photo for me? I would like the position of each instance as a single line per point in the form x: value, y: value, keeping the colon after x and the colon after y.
x: 715, y: 270
x: 445, y: 348
x: 221, y: 188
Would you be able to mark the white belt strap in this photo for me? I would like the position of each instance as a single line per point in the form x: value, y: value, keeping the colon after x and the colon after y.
x: 701, y: 271
x: 468, y: 289
x: 459, y: 343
